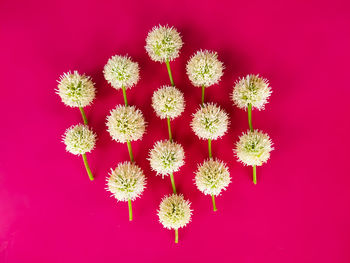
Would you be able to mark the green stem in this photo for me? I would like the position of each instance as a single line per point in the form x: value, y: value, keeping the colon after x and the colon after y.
x: 254, y: 174
x: 130, y: 210
x: 176, y: 236
x: 214, y: 205
x: 84, y: 116
x: 87, y: 167
x: 173, y: 182
x: 130, y: 151
x: 124, y: 95
x: 203, y: 90
x: 209, y: 149
x: 251, y: 129
x: 169, y: 129
x: 250, y: 117
x: 169, y: 72
x: 170, y: 135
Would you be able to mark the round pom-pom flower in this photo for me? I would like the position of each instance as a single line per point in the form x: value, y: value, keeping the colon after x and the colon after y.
x: 126, y: 123
x: 79, y: 139
x: 252, y: 90
x: 168, y: 102
x: 253, y: 148
x: 210, y: 122
x: 204, y: 69
x: 76, y: 90
x: 126, y: 183
x: 163, y: 43
x: 166, y: 157
x: 212, y: 177
x: 121, y: 72
x: 174, y: 212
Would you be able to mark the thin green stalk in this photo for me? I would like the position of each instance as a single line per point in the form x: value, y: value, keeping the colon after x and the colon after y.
x: 250, y: 117
x: 173, y: 182
x: 251, y: 129
x: 171, y: 137
x: 176, y: 236
x: 83, y: 114
x: 87, y: 167
x: 203, y: 90
x: 130, y: 210
x: 130, y: 151
x: 128, y: 142
x: 169, y: 129
x: 254, y: 174
x: 209, y: 149
x: 169, y: 72
x: 124, y: 95
x: 214, y: 205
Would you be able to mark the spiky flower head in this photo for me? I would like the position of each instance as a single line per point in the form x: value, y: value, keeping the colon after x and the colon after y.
x: 166, y: 157
x: 121, y: 71
x: 163, y: 43
x: 126, y: 182
x: 168, y: 102
x: 126, y: 123
x: 210, y: 122
x: 252, y: 90
x: 174, y: 211
x: 212, y: 177
x: 76, y: 90
x: 79, y: 139
x: 204, y: 68
x: 253, y: 148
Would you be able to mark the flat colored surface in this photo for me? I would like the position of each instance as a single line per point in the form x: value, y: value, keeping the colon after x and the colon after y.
x: 298, y: 212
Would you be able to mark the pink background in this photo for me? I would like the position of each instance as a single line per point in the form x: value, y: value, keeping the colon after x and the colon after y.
x: 298, y: 212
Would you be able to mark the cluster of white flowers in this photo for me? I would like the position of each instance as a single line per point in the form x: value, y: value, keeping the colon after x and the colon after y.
x: 204, y: 68
x: 174, y: 211
x: 126, y: 182
x: 168, y: 102
x: 210, y: 122
x: 76, y: 90
x: 163, y: 43
x: 166, y: 157
x: 253, y: 148
x: 252, y: 90
x: 79, y: 139
x: 121, y: 71
x: 212, y: 177
x: 126, y: 123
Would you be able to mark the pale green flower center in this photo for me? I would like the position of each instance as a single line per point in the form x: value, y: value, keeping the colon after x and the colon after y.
x: 168, y: 159
x: 210, y: 124
x: 127, y: 184
x: 121, y: 73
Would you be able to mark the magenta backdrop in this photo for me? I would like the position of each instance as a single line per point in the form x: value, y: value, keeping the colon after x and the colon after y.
x: 298, y: 212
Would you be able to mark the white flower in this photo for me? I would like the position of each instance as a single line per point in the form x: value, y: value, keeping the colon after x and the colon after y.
x: 210, y: 122
x: 166, y: 157
x: 163, y: 43
x: 212, y: 177
x: 126, y: 182
x: 126, y: 123
x: 121, y: 71
x: 253, y: 148
x: 76, y: 90
x: 252, y: 90
x: 174, y: 212
x: 204, y: 68
x: 79, y: 139
x: 167, y: 102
